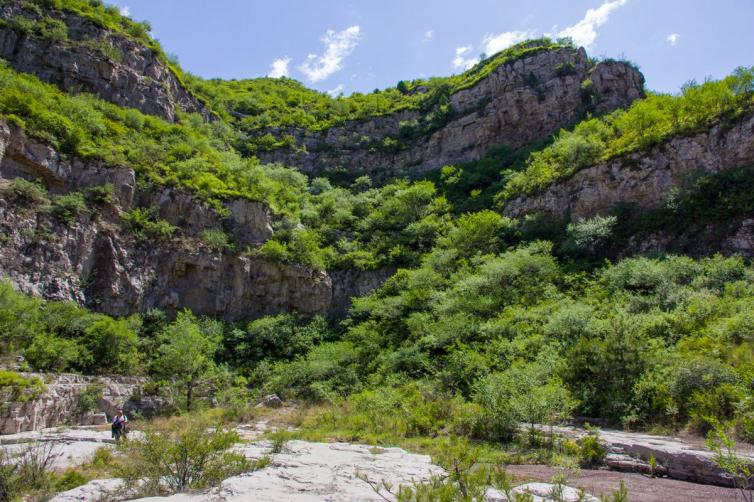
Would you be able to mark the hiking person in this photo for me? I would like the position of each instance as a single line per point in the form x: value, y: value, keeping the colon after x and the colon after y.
x: 118, y: 425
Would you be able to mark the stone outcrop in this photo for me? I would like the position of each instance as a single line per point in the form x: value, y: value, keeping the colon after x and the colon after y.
x: 676, y: 458
x: 59, y: 403
x: 95, y: 262
x: 519, y: 103
x: 644, y: 179
x: 127, y: 73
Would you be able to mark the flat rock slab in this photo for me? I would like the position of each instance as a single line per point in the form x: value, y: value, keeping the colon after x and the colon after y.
x: 79, y: 434
x: 96, y: 490
x: 543, y: 492
x: 71, y: 446
x: 308, y: 472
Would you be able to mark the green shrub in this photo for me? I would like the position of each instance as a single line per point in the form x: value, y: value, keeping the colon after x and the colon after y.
x: 52, y: 29
x: 89, y: 399
x: 587, y: 236
x: 564, y: 69
x: 15, y: 387
x: 591, y: 451
x: 216, y: 239
x: 183, y: 453
x: 70, y: 480
x: 274, y: 250
x: 145, y: 225
x: 103, y: 457
x: 29, y: 192
x: 48, y: 352
x: 67, y: 207
x: 102, y: 194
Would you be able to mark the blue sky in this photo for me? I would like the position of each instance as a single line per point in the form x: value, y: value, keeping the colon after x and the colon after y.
x: 346, y: 46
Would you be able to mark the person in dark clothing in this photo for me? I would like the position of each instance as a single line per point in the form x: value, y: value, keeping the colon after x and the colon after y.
x: 118, y: 425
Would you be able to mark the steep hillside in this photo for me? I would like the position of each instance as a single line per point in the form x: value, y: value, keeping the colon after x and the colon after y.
x: 84, y: 47
x: 229, y: 237
x: 525, y: 99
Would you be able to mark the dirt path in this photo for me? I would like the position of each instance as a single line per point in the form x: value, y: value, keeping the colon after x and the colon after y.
x: 640, y: 488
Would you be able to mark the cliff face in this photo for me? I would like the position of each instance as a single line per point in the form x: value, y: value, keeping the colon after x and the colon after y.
x: 59, y: 403
x: 95, y: 262
x: 645, y: 179
x: 95, y: 60
x: 517, y: 104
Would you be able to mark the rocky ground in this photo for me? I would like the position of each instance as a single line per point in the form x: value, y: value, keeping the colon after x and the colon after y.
x: 309, y: 471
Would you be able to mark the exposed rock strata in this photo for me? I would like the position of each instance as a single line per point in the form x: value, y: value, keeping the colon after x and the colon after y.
x: 135, y: 78
x: 643, y: 179
x: 517, y: 104
x: 59, y: 404
x: 95, y: 262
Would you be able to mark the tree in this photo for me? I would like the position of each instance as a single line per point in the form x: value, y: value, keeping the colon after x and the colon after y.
x: 113, y: 345
x: 185, y: 356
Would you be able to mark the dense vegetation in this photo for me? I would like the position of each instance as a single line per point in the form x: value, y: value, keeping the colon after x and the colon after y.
x: 487, y: 322
x: 642, y: 343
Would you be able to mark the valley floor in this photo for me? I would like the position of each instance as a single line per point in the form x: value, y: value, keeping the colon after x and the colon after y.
x: 327, y: 471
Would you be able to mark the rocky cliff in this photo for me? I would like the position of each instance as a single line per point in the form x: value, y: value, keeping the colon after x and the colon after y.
x: 96, y: 262
x: 60, y: 402
x: 90, y: 58
x: 519, y: 103
x: 644, y: 180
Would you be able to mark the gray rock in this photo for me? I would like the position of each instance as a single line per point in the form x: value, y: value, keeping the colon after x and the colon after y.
x: 677, y: 459
x: 58, y: 405
x: 543, y: 492
x: 96, y: 263
x: 271, y: 401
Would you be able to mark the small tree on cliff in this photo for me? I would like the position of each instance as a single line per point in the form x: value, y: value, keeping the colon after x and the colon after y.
x: 185, y: 355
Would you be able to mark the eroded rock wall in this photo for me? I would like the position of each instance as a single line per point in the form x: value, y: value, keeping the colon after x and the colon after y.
x: 644, y: 179
x: 128, y: 74
x: 96, y: 262
x: 518, y: 104
x: 59, y: 404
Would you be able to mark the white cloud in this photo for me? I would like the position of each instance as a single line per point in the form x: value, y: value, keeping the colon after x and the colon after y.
x: 125, y: 10
x: 336, y: 91
x: 279, y: 67
x: 496, y: 43
x: 462, y: 61
x: 428, y: 35
x: 673, y: 38
x: 583, y: 33
x: 338, y: 45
